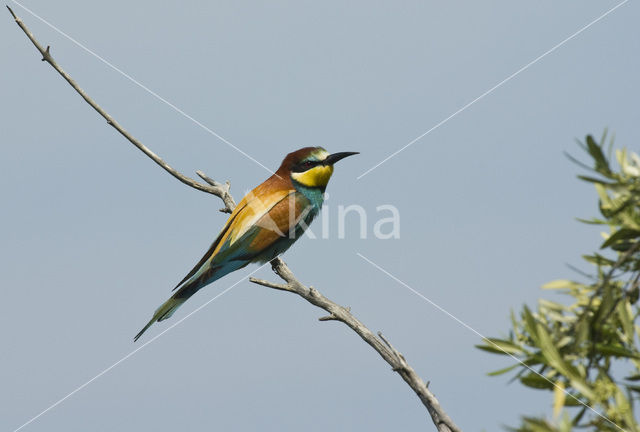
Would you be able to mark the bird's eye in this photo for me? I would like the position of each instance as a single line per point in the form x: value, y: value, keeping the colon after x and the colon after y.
x: 307, y: 164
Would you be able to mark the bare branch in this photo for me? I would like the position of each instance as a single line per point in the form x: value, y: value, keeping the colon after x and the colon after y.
x: 336, y: 312
x: 382, y: 346
x: 218, y: 191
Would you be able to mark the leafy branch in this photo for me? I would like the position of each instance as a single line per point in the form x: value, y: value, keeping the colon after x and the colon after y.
x: 586, y: 352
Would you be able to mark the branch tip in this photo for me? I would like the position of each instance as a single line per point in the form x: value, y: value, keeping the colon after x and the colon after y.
x: 12, y: 13
x: 386, y: 342
x: 208, y: 179
x: 268, y: 284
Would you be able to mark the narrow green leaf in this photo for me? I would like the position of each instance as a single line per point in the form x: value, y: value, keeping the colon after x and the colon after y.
x: 559, y: 398
x: 577, y: 162
x: 592, y: 221
x: 578, y: 416
x: 503, y: 346
x: 633, y: 388
x: 561, y: 284
x: 621, y: 234
x: 532, y: 424
x: 492, y: 349
x: 598, y: 260
x: 504, y: 370
x: 619, y: 206
x: 535, y: 381
x: 549, y: 305
x: 530, y: 324
x: 615, y: 351
x: 602, y: 166
x: 596, y: 180
x: 572, y: 402
x: 582, y: 331
x: 626, y: 321
x: 556, y: 361
x: 606, y: 304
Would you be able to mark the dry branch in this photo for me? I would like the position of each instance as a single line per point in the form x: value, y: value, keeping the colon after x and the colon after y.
x: 213, y: 187
x: 336, y: 312
x: 391, y: 355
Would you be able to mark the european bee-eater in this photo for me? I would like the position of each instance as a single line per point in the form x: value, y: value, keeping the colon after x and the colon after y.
x: 265, y: 223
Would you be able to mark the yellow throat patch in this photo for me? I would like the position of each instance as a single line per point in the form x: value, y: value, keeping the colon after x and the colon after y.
x: 315, y: 177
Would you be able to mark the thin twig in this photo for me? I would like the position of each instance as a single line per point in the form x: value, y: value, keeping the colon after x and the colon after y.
x: 268, y: 284
x: 336, y: 312
x: 217, y: 190
x: 223, y: 192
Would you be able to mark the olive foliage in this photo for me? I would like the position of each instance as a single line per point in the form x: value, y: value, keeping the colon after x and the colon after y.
x: 585, y: 351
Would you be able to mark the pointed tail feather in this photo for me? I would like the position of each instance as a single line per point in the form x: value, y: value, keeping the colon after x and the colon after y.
x: 189, y: 287
x: 162, y: 313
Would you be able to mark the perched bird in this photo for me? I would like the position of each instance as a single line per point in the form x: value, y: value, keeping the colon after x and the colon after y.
x: 265, y: 223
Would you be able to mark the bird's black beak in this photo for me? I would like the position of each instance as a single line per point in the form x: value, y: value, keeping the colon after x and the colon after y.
x: 335, y: 157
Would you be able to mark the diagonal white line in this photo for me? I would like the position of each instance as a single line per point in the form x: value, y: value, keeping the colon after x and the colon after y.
x: 139, y: 84
x: 504, y: 81
x: 134, y: 351
x: 468, y: 327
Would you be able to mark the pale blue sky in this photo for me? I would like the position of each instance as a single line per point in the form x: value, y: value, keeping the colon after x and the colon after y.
x: 94, y: 235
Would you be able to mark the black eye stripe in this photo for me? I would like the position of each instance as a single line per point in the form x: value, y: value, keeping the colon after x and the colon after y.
x: 306, y: 165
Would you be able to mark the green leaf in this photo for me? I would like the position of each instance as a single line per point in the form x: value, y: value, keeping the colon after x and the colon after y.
x: 578, y: 416
x: 561, y: 284
x: 596, y: 180
x: 573, y: 401
x: 626, y: 321
x: 536, y: 381
x: 615, y: 351
x: 592, y: 221
x: 619, y: 206
x: 548, y: 305
x: 602, y: 166
x: 491, y: 349
x: 582, y: 331
x: 504, y: 370
x: 500, y: 346
x: 621, y: 234
x: 598, y: 260
x: 531, y: 424
x: 623, y: 246
x: 559, y: 398
x: 530, y: 324
x: 556, y: 361
x: 607, y: 301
